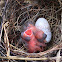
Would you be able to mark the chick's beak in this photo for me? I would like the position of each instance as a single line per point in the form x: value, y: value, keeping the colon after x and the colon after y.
x: 26, y: 35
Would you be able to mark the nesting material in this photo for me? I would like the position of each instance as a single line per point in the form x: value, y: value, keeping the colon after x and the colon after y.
x: 17, y: 17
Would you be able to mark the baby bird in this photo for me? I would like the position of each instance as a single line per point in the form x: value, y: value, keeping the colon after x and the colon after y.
x: 32, y: 44
x: 39, y: 34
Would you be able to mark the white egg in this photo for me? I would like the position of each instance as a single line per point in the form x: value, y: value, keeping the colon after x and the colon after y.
x: 43, y: 25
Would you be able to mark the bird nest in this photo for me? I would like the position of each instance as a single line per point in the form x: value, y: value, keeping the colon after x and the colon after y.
x: 17, y: 15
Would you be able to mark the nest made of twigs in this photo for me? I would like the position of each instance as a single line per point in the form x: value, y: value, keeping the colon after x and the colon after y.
x: 17, y: 17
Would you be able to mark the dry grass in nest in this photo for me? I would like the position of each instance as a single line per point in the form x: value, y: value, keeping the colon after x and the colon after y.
x: 17, y: 16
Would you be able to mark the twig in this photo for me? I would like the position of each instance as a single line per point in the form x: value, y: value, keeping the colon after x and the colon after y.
x: 18, y: 2
x: 8, y: 52
x: 36, y: 54
x: 26, y: 7
x: 28, y: 11
x: 2, y: 16
x: 19, y: 58
x: 58, y: 10
x: 60, y: 2
x: 5, y: 9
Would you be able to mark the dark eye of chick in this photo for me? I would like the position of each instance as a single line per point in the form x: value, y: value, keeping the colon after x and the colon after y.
x: 27, y: 38
x: 41, y: 40
x: 44, y: 36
